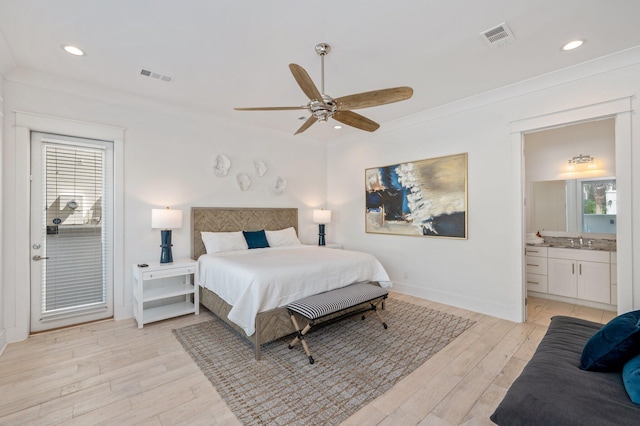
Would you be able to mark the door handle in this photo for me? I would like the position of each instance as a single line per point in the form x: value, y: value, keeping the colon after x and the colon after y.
x: 38, y: 257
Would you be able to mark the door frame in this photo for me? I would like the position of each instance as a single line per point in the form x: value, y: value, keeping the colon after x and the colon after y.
x: 19, y: 313
x: 621, y: 109
x: 38, y: 208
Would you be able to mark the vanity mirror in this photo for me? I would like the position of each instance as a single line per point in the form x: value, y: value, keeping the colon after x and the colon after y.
x: 574, y: 205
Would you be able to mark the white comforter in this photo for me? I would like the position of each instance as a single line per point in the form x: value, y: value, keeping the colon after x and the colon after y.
x: 258, y: 280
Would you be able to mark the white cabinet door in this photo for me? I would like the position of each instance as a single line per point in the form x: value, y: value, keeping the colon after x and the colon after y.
x: 594, y: 282
x: 562, y: 277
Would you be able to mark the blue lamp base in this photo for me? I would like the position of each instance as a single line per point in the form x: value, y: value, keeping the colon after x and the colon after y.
x: 165, y: 239
x: 321, y: 241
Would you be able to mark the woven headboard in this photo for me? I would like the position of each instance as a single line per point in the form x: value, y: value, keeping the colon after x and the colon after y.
x: 226, y: 219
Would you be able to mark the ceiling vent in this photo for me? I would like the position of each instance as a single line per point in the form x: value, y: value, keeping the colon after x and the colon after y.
x: 152, y: 74
x: 498, y: 36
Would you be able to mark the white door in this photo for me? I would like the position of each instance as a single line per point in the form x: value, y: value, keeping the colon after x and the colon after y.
x: 71, y: 230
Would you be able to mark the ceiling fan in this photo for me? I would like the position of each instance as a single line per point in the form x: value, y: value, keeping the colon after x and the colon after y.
x: 322, y: 106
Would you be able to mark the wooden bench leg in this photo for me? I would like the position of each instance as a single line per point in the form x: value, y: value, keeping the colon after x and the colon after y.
x: 315, y: 307
x: 374, y: 308
x: 300, y: 337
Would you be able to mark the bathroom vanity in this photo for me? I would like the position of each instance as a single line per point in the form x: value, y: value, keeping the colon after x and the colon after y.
x: 575, y: 273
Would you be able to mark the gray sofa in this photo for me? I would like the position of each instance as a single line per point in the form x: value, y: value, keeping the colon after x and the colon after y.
x: 552, y: 390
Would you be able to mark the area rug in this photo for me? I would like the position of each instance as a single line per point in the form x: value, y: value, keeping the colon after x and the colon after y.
x: 355, y: 361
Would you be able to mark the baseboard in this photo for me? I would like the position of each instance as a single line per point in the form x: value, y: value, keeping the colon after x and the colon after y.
x: 3, y: 341
x: 481, y: 306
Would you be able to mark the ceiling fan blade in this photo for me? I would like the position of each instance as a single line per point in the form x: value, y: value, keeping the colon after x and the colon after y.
x: 374, y: 98
x: 353, y: 119
x: 305, y: 83
x: 270, y: 108
x: 306, y: 124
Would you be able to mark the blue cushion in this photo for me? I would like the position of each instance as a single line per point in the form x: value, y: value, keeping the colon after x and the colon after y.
x: 631, y: 378
x: 613, y: 345
x: 256, y: 239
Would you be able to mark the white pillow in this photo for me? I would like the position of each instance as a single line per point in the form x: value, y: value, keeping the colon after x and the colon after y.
x: 216, y: 242
x: 282, y: 238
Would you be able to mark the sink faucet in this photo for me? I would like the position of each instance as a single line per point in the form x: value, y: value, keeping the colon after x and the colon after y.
x: 580, y: 241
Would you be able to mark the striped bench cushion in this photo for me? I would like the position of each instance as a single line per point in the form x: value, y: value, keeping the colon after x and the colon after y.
x: 319, y: 305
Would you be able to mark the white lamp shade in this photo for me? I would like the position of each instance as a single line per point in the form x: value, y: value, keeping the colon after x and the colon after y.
x: 166, y: 218
x: 322, y: 216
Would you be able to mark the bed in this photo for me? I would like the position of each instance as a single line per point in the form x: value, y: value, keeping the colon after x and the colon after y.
x: 264, y: 324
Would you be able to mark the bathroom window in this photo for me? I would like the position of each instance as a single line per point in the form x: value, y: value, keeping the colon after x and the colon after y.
x: 598, y: 205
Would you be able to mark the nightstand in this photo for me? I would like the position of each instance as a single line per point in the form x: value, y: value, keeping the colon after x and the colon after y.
x: 164, y: 290
x: 333, y: 246
x: 328, y: 245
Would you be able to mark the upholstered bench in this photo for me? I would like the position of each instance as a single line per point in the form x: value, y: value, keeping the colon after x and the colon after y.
x: 333, y: 301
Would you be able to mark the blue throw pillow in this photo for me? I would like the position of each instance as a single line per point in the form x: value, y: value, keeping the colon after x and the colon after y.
x: 631, y: 378
x: 613, y: 345
x: 256, y: 239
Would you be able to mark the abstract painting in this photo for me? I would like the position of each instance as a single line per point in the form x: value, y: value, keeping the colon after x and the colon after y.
x: 422, y: 198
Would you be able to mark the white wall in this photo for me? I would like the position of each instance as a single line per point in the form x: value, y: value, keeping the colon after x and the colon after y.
x: 167, y: 156
x: 546, y: 159
x: 3, y: 334
x: 548, y: 151
x: 483, y: 273
x: 167, y: 162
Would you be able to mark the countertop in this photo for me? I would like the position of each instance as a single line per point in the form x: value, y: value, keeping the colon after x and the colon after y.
x: 596, y: 244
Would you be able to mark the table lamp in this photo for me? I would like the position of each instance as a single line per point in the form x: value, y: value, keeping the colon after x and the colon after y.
x: 321, y: 217
x: 166, y: 219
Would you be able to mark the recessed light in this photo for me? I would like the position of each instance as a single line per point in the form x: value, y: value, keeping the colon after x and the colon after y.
x: 337, y: 127
x: 76, y: 51
x: 574, y: 44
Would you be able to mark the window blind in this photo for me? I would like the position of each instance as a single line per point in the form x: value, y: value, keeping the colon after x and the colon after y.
x: 74, y: 277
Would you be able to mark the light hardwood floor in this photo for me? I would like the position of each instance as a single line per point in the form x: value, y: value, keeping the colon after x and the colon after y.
x: 113, y: 373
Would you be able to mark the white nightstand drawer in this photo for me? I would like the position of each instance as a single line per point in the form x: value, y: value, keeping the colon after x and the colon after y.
x: 169, y: 272
x: 333, y: 246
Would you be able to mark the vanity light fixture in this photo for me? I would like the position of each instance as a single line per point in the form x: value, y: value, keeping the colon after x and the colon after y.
x: 73, y: 50
x: 581, y: 159
x: 573, y: 44
x: 589, y: 160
